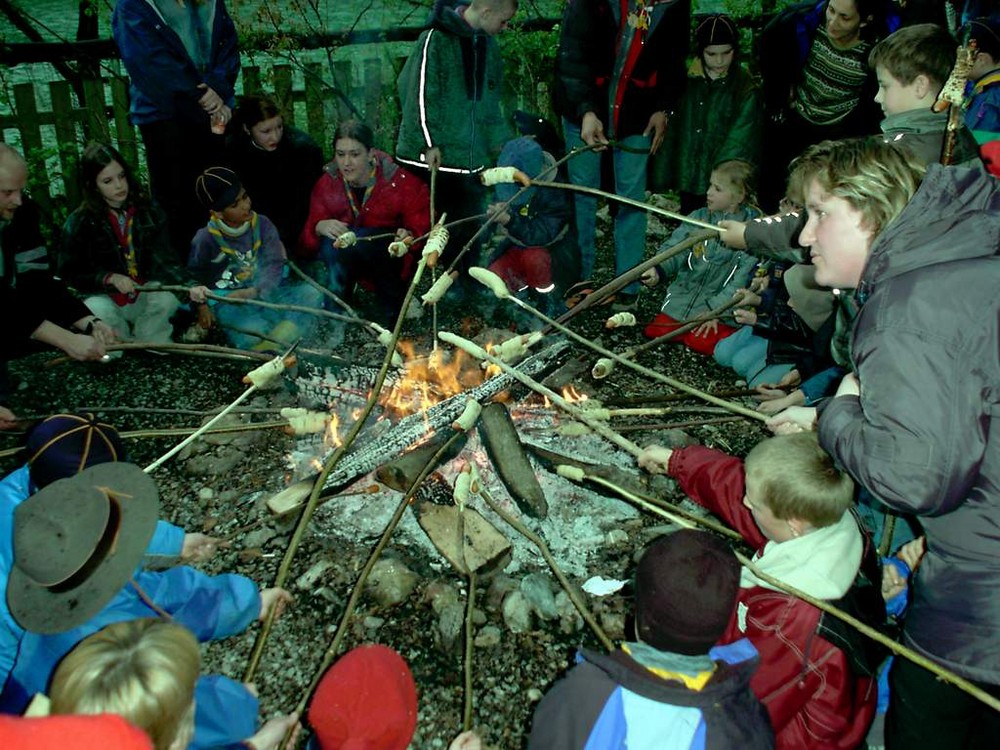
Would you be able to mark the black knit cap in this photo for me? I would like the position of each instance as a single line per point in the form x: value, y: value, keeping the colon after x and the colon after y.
x: 65, y: 444
x: 685, y: 592
x: 217, y: 188
x: 717, y: 29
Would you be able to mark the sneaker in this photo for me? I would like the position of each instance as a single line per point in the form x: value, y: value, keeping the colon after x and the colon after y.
x: 625, y: 302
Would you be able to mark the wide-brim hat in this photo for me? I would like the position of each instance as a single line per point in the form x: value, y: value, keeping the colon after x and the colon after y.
x: 76, y: 542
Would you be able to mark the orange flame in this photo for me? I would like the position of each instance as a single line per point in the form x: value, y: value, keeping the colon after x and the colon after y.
x: 428, y: 380
x: 332, y: 436
x: 572, y: 395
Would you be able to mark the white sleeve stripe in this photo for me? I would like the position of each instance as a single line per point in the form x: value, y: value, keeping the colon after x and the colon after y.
x: 421, y: 102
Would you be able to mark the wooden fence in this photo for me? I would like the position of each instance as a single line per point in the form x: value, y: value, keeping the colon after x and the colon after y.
x: 53, y: 138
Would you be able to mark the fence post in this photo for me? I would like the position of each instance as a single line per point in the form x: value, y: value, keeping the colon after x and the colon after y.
x: 283, y: 92
x: 31, y: 134
x: 315, y: 116
x: 124, y: 130
x: 96, y: 124
x: 66, y: 139
x: 251, y: 79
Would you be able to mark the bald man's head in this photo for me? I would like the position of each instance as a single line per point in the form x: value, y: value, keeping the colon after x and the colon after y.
x: 13, y: 178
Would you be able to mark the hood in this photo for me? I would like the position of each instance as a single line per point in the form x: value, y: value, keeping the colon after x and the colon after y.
x: 735, y: 664
x: 445, y: 16
x: 954, y: 215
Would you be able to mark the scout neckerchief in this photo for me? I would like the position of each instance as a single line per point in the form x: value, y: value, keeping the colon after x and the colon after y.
x: 242, y: 265
x: 355, y: 208
x: 121, y: 225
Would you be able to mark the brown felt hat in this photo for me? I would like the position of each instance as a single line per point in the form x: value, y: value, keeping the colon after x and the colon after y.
x: 76, y: 542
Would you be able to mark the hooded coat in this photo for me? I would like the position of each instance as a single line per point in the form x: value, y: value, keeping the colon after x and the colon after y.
x: 612, y: 700
x: 924, y: 436
x: 449, y: 93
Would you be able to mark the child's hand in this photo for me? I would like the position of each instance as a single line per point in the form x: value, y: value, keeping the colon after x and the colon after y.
x: 745, y: 317
x: 198, y: 294
x: 758, y: 284
x: 403, y: 233
x: 655, y: 459
x: 893, y: 581
x: 913, y: 552
x: 649, y: 277
x: 466, y: 741
x: 273, y: 597
x: 122, y: 283
x: 708, y: 328
x: 8, y: 419
x: 773, y: 406
x: 498, y: 211
x: 200, y: 547
x: 793, y: 419
x: 733, y: 233
x: 270, y: 735
x: 750, y: 298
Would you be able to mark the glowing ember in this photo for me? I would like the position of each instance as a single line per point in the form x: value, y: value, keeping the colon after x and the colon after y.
x: 332, y: 436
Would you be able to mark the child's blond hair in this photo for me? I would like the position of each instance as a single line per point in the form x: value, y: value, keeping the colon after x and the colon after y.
x: 738, y: 174
x: 798, y: 479
x: 143, y: 670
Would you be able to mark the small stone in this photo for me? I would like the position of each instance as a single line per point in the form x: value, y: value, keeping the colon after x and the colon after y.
x: 308, y: 580
x: 516, y: 612
x: 616, y: 536
x: 500, y: 586
x: 450, y: 624
x: 390, y: 582
x: 613, y: 623
x: 373, y: 623
x: 570, y: 620
x: 534, y: 695
x: 205, y: 494
x: 440, y: 594
x: 488, y: 637
x: 259, y: 537
x: 537, y: 589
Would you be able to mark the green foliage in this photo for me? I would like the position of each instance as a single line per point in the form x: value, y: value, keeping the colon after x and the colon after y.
x: 529, y: 67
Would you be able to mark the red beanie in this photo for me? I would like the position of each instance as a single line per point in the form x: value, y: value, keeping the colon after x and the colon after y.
x: 102, y: 732
x: 366, y: 701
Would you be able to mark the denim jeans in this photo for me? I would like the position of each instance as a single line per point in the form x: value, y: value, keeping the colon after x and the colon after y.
x: 254, y: 319
x: 630, y: 182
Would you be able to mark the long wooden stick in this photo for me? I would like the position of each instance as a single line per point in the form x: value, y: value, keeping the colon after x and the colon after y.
x: 201, y: 430
x: 535, y: 539
x: 632, y: 365
x: 631, y: 275
x: 314, y: 496
x: 317, y: 311
x: 359, y: 585
x: 648, y: 207
x: 631, y: 352
x: 897, y: 648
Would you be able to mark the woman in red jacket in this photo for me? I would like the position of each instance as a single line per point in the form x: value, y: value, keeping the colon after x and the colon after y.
x: 364, y: 194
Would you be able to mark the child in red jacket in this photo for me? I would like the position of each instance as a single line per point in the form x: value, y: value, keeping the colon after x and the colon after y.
x: 789, y: 501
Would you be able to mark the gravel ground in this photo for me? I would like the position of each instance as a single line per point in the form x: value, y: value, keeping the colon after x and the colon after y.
x: 511, y: 670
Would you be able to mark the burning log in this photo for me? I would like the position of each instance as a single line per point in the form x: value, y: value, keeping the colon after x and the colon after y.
x: 504, y: 447
x: 413, y: 428
x: 400, y: 472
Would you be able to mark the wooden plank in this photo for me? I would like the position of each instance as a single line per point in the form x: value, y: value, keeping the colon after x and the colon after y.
x: 128, y: 143
x: 69, y: 148
x: 371, y: 90
x: 283, y: 91
x: 31, y: 139
x: 341, y: 83
x: 251, y: 80
x: 315, y: 115
x: 96, y: 122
